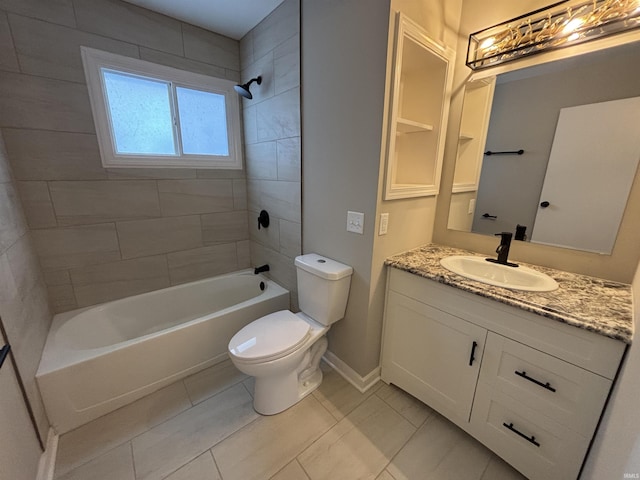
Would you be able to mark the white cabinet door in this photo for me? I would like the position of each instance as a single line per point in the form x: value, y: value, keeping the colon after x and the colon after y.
x: 432, y: 355
x: 19, y: 451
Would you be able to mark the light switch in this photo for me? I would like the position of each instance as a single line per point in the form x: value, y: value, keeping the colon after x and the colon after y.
x: 472, y: 206
x: 355, y: 222
x: 384, y: 224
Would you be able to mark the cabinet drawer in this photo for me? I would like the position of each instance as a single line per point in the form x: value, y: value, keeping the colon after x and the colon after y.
x: 565, y: 393
x: 537, y: 446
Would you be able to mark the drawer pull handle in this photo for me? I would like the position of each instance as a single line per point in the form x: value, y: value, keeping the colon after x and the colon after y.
x: 524, y: 375
x: 473, y: 352
x: 530, y: 439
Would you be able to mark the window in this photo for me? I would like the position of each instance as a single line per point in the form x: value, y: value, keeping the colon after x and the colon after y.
x: 149, y: 115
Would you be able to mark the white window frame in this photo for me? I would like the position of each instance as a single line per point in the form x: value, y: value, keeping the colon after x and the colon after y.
x: 94, y: 60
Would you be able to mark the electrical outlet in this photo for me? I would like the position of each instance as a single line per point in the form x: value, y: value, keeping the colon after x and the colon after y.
x: 355, y: 222
x: 384, y: 224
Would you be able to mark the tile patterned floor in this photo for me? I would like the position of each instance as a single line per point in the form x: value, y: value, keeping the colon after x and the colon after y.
x: 204, y: 428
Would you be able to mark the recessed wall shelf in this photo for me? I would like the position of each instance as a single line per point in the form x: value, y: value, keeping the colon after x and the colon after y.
x: 420, y: 94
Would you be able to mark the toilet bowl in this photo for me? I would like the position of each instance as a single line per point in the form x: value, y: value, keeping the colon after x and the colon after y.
x: 282, y: 350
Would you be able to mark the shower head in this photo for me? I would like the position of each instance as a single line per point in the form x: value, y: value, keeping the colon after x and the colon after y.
x: 244, y: 89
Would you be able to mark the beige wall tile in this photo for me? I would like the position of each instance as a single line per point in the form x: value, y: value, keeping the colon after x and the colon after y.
x: 141, y: 238
x: 281, y: 24
x: 62, y: 298
x: 129, y: 23
x: 293, y: 471
x: 43, y: 103
x: 262, y: 66
x: 243, y: 249
x: 182, y: 63
x: 26, y: 316
x: 77, y: 246
x: 117, y: 463
x: 283, y: 270
x: 54, y: 11
x: 239, y: 194
x: 150, y: 173
x: 246, y: 49
x: 56, y: 277
x: 37, y: 204
x: 177, y: 441
x: 262, y: 161
x: 218, y: 173
x: 213, y: 380
x: 209, y: 47
x: 360, y: 445
x: 225, y: 227
x: 5, y: 170
x: 249, y: 122
x: 190, y: 265
x: 12, y: 221
x: 88, y: 202
x: 101, y: 435
x: 289, y: 159
x: 46, y: 155
x: 268, y: 237
x: 201, y: 468
x: 53, y: 51
x: 109, y: 281
x: 290, y: 238
x: 279, y: 116
x: 280, y: 199
x: 187, y: 197
x: 262, y: 448
x: 286, y: 65
x: 8, y: 58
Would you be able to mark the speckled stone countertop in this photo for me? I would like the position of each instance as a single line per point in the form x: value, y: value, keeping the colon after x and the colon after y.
x: 598, y: 305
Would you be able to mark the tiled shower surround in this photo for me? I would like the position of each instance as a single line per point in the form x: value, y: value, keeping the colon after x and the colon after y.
x: 102, y: 234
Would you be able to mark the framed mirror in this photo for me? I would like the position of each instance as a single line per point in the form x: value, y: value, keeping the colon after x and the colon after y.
x: 577, y: 122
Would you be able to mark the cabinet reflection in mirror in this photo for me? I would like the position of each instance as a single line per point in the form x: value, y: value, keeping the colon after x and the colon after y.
x: 578, y: 122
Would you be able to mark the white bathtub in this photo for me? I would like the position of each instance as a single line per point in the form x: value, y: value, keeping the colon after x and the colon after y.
x: 100, y: 358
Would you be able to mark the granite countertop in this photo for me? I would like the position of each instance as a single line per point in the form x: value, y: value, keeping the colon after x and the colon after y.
x: 598, y: 305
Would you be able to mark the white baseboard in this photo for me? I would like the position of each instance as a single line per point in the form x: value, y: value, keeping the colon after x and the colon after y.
x: 47, y: 463
x: 350, y: 375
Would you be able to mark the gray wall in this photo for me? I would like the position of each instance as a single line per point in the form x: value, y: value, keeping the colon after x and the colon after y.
x: 343, y: 70
x: 104, y: 234
x: 272, y: 141
x: 24, y: 309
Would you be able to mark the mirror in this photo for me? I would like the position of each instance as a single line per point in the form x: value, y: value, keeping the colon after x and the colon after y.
x: 577, y: 121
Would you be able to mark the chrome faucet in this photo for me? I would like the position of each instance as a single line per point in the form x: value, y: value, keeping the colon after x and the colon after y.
x: 503, y: 250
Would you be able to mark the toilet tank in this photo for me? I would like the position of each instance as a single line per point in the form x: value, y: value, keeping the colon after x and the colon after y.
x: 323, y: 287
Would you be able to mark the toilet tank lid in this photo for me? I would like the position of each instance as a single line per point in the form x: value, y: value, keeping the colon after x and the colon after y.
x: 323, y: 267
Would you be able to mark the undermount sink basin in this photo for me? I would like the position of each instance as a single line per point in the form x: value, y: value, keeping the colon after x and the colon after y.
x: 515, y: 278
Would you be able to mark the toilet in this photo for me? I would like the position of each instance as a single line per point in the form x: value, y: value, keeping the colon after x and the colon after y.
x: 282, y: 350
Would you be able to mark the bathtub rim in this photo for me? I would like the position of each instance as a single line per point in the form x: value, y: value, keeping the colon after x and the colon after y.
x: 57, y: 357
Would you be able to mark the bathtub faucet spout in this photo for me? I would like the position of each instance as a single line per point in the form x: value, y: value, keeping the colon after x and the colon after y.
x: 263, y: 268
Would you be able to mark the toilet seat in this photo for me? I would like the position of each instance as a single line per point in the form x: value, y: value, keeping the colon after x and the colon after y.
x: 270, y: 337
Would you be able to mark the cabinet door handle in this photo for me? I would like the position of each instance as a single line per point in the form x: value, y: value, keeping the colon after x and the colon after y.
x: 473, y: 352
x: 530, y: 439
x: 524, y: 375
x: 4, y: 351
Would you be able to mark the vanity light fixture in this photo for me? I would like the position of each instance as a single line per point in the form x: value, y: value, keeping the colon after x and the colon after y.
x: 559, y: 25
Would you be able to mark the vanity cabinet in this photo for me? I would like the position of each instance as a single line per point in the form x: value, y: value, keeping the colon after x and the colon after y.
x: 534, y: 390
x: 419, y: 110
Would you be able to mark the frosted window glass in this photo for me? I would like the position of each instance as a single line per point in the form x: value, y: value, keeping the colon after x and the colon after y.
x: 203, y: 122
x: 140, y: 114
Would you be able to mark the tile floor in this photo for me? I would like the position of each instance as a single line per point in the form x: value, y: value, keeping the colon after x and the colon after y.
x: 204, y: 428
